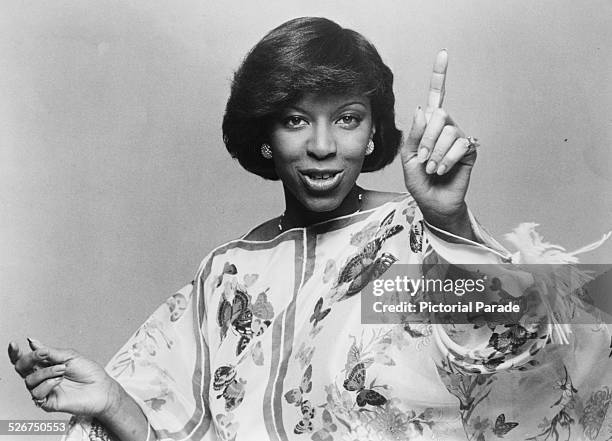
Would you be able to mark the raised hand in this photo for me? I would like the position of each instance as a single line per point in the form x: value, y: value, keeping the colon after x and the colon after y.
x: 62, y: 380
x: 437, y: 159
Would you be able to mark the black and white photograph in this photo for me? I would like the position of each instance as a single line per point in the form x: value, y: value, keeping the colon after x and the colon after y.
x: 206, y: 205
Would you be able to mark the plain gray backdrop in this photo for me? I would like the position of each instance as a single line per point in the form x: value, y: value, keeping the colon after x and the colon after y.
x: 114, y: 181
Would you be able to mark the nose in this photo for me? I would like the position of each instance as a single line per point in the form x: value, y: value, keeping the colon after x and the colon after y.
x: 322, y: 143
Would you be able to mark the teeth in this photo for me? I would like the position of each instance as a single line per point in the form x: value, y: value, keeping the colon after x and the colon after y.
x: 324, y: 176
x: 322, y: 182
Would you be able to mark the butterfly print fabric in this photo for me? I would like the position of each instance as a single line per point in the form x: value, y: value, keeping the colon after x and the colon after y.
x: 267, y: 344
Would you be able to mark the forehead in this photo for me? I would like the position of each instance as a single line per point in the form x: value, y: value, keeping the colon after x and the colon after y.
x: 327, y: 101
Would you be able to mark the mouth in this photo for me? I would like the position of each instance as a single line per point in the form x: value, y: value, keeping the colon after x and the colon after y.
x: 320, y: 181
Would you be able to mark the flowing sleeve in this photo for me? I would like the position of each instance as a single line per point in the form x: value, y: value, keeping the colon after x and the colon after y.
x: 542, y: 373
x: 164, y: 367
x: 540, y: 278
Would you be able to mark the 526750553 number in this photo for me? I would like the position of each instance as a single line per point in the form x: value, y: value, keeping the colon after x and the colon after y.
x: 32, y: 427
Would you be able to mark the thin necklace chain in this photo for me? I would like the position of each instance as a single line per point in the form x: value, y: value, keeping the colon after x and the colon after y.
x: 282, y: 216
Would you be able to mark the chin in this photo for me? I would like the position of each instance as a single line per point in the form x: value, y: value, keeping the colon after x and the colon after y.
x: 320, y: 204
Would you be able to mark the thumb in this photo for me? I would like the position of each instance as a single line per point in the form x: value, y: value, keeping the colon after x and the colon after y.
x: 61, y: 355
x: 411, y: 145
x: 55, y: 355
x: 34, y: 344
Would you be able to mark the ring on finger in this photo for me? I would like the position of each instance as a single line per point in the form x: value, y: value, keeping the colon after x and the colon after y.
x: 39, y: 402
x: 471, y: 144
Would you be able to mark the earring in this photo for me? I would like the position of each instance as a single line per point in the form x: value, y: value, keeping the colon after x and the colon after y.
x: 369, y: 148
x: 266, y: 151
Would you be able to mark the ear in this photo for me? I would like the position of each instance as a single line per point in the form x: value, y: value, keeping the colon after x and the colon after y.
x: 373, y: 131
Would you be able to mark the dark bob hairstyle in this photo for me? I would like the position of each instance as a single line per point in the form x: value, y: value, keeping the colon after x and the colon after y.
x: 307, y: 55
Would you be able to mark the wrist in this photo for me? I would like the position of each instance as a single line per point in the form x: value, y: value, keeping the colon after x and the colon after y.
x: 123, y: 417
x: 458, y: 223
x: 116, y: 399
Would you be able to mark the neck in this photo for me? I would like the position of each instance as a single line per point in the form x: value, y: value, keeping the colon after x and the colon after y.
x: 296, y: 215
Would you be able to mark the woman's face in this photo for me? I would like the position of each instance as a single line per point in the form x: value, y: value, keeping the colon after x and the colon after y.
x: 318, y: 147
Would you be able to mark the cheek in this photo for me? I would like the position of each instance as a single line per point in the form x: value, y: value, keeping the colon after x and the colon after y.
x: 283, y: 164
x: 288, y: 150
x: 353, y: 150
x: 353, y: 143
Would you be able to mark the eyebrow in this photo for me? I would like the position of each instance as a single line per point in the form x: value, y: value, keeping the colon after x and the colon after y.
x: 361, y: 103
x: 342, y: 106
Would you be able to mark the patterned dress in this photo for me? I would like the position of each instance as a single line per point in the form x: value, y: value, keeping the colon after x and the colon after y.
x: 267, y: 343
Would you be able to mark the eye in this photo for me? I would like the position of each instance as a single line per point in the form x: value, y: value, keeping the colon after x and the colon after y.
x: 294, y: 121
x: 349, y: 121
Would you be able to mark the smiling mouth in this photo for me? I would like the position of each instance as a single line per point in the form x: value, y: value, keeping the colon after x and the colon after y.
x: 321, y: 181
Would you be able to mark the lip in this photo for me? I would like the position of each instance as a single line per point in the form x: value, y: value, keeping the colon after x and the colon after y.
x: 321, y: 180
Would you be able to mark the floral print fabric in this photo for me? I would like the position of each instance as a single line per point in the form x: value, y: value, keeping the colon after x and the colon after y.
x: 267, y: 343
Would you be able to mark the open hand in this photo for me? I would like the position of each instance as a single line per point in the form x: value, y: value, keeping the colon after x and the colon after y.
x: 64, y: 380
x: 437, y: 158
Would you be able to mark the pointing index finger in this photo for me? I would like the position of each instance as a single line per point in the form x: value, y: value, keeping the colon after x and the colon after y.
x: 435, y: 97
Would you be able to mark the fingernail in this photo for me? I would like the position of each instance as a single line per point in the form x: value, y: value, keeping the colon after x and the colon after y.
x: 12, y: 350
x: 59, y: 369
x: 34, y: 342
x: 423, y: 154
x: 441, y: 169
x: 42, y: 353
x: 444, y: 49
x: 431, y: 167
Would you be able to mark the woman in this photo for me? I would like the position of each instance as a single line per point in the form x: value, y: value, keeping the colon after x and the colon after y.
x: 267, y: 341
